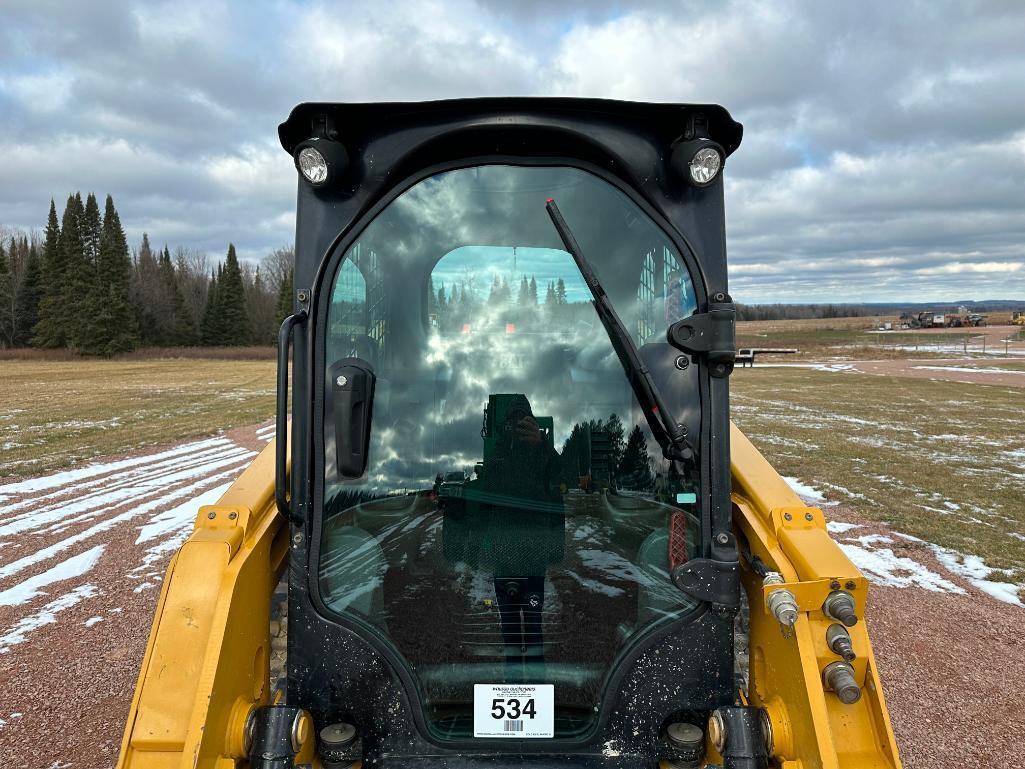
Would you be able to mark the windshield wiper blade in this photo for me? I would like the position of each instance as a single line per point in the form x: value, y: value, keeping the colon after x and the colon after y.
x: 670, y: 434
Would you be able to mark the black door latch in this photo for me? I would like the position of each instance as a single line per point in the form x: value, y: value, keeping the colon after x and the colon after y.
x: 712, y: 334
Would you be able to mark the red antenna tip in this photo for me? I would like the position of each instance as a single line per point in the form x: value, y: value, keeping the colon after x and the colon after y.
x: 549, y: 200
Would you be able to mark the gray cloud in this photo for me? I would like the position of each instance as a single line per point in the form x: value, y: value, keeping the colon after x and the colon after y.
x: 884, y: 148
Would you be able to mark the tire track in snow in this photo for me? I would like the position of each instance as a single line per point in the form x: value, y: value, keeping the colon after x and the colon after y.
x: 57, y: 529
x: 83, y: 554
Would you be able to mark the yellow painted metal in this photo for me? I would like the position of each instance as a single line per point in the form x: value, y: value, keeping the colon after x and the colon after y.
x: 206, y: 663
x: 812, y: 729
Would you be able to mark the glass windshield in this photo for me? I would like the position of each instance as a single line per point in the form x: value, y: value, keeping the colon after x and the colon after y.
x: 517, y: 522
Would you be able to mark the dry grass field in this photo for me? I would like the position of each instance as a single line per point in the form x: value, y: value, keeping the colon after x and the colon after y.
x: 937, y: 460
x: 57, y: 414
x: 844, y: 342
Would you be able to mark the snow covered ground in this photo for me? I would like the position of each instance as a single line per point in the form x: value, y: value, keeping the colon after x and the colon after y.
x: 75, y: 539
x: 917, y: 564
x: 83, y: 553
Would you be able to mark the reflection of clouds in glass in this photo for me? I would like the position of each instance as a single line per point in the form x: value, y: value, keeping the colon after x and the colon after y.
x: 437, y: 367
x: 504, y: 206
x: 527, y: 524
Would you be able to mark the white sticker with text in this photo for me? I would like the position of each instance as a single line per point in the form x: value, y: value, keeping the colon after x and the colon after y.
x: 513, y: 710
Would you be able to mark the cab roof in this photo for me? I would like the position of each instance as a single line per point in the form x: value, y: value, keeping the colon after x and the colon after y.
x: 362, y: 121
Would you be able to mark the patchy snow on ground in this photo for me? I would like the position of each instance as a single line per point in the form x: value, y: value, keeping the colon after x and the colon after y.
x: 93, y: 505
x: 835, y: 368
x: 974, y: 349
x: 839, y: 527
x: 69, y: 569
x: 883, y: 566
x: 808, y: 493
x: 975, y: 570
x: 972, y: 369
x: 109, y: 523
x: 55, y: 530
x: 47, y: 615
x: 89, y: 471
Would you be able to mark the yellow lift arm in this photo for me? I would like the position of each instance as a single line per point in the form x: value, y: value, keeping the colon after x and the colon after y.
x: 811, y: 728
x: 206, y: 664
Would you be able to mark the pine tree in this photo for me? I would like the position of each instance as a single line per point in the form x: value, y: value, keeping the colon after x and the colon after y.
x: 92, y: 230
x: 634, y: 470
x: 533, y: 291
x: 523, y: 299
x: 6, y: 300
x: 210, y: 328
x: 285, y: 300
x: 111, y: 328
x: 153, y: 303
x: 183, y: 331
x: 232, y: 303
x: 26, y: 300
x: 432, y: 298
x: 614, y: 428
x: 77, y: 274
x: 49, y: 329
x: 560, y: 291
x: 550, y: 299
x: 261, y: 305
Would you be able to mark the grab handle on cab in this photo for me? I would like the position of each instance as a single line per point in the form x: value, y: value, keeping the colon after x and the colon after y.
x: 281, y: 430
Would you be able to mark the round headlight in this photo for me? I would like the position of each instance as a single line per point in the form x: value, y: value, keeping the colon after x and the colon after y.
x: 698, y: 161
x: 312, y: 165
x: 705, y: 165
x: 322, y: 162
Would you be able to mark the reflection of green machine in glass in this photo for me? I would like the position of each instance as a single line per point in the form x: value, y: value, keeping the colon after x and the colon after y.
x: 501, y: 416
x: 512, y: 521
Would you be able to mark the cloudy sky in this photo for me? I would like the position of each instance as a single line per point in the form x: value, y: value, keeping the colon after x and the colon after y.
x: 883, y: 158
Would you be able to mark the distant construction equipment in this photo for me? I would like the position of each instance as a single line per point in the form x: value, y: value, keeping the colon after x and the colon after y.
x: 960, y: 319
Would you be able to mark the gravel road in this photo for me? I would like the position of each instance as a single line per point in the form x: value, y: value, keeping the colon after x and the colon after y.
x: 82, y: 555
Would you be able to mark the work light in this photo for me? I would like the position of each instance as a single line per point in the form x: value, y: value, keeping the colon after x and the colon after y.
x: 312, y: 165
x: 320, y: 161
x: 699, y: 161
x: 705, y: 165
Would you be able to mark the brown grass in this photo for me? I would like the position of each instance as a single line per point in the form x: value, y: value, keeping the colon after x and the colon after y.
x: 57, y: 414
x: 148, y: 353
x: 937, y: 460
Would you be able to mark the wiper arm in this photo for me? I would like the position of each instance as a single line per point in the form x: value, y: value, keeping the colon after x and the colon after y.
x: 670, y: 434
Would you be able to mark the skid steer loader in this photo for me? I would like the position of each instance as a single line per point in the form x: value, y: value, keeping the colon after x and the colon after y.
x: 514, y: 293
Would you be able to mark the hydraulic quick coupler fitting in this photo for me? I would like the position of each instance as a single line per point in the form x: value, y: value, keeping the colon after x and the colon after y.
x: 840, y: 606
x: 838, y: 677
x: 781, y: 602
x: 839, y: 642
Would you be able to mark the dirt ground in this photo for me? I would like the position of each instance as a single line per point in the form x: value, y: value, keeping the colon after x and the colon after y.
x: 993, y: 372
x: 948, y: 659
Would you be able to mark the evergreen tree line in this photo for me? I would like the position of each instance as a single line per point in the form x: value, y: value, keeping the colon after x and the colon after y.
x: 801, y: 311
x: 629, y: 462
x: 80, y: 288
x: 462, y: 301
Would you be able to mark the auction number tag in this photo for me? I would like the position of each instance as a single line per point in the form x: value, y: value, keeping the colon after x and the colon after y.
x: 513, y: 710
